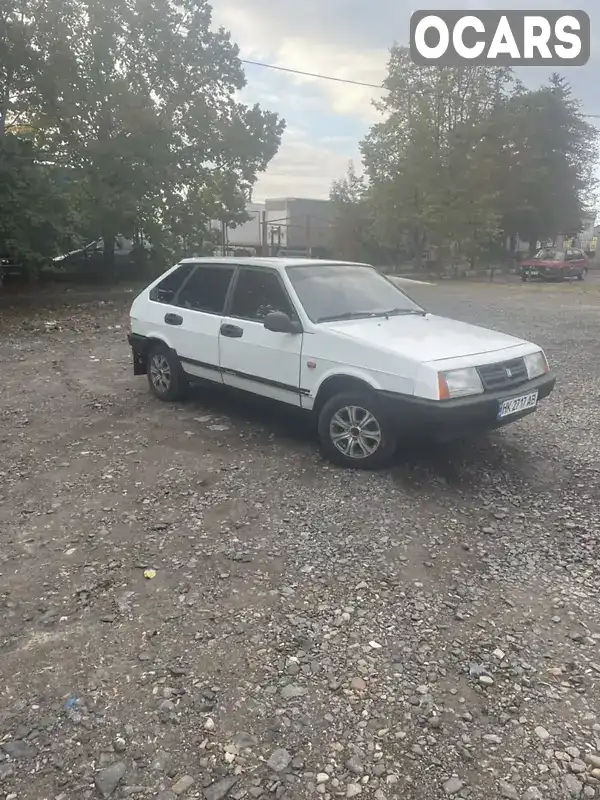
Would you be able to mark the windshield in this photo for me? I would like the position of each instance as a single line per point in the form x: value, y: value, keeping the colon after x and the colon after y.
x: 347, y: 291
x: 549, y: 255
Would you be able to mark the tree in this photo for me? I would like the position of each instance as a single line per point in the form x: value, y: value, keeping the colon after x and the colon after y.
x: 19, y: 67
x: 139, y: 102
x: 466, y: 156
x: 430, y: 162
x: 353, y: 232
x: 549, y: 154
x: 34, y: 209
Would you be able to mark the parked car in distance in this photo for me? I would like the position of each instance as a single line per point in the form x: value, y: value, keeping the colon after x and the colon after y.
x: 552, y: 264
x: 338, y: 340
x: 11, y: 266
x: 90, y: 259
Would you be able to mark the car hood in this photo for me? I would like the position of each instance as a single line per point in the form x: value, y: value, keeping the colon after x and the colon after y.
x: 424, y: 338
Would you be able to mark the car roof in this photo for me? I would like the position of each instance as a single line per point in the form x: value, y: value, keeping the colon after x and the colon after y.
x: 271, y: 263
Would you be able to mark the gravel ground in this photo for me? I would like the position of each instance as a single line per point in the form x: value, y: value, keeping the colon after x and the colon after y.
x: 431, y: 631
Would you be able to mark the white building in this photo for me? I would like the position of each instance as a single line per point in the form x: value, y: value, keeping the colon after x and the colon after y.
x: 248, y: 234
x: 299, y: 222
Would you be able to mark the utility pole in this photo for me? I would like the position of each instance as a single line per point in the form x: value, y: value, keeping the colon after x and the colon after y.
x: 224, y: 238
x: 264, y: 238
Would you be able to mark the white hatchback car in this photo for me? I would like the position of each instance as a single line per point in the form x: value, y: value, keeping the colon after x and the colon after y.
x: 339, y: 340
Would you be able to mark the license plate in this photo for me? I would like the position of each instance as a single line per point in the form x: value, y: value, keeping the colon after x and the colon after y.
x: 517, y: 404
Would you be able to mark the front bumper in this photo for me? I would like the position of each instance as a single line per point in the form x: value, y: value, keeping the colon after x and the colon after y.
x: 453, y: 419
x: 543, y: 272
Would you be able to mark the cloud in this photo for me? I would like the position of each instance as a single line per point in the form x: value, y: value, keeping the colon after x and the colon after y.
x: 347, y: 39
x: 316, y: 146
x: 303, y: 168
x: 278, y: 34
x: 368, y: 66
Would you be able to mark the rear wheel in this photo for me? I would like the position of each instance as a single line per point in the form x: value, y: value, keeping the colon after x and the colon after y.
x: 165, y: 376
x: 524, y: 276
x: 355, y: 431
x: 581, y: 275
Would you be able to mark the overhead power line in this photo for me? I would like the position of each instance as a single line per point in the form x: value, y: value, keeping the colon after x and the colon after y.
x: 336, y: 80
x: 312, y: 74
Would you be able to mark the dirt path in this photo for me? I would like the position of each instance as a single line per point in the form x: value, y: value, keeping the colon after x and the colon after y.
x: 309, y: 631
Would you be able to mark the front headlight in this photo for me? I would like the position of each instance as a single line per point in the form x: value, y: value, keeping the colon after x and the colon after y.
x: 459, y: 383
x: 536, y: 365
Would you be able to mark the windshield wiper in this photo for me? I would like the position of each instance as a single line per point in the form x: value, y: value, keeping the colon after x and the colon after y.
x: 370, y: 314
x: 397, y: 311
x: 350, y: 315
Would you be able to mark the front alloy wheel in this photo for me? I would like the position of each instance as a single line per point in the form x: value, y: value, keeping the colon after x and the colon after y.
x: 355, y: 431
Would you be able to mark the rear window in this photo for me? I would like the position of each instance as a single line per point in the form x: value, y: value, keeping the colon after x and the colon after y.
x: 207, y: 289
x: 165, y: 291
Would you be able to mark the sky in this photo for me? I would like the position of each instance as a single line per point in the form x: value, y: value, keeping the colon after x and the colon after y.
x: 347, y: 39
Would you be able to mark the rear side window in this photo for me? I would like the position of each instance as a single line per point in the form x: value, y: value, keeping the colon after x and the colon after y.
x: 165, y: 291
x: 206, y: 290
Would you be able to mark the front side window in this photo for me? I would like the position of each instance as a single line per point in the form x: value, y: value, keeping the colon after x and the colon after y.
x: 348, y: 291
x: 165, y: 291
x: 207, y: 289
x: 258, y: 293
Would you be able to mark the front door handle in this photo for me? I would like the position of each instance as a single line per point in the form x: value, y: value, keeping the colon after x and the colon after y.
x: 232, y: 331
x: 173, y: 319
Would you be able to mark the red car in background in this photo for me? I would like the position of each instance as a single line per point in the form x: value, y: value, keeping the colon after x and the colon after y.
x: 552, y: 264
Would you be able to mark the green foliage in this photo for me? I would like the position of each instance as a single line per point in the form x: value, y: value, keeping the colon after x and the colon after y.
x: 353, y: 235
x: 137, y: 101
x: 432, y: 161
x: 549, y: 156
x: 34, y: 205
x: 465, y: 156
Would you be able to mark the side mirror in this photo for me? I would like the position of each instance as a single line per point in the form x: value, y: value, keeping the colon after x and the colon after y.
x: 278, y: 322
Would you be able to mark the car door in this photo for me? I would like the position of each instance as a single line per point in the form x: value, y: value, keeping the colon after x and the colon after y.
x: 252, y: 357
x: 195, y: 318
x: 148, y: 318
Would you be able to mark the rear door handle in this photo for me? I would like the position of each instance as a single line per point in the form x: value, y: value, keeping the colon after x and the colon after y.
x: 173, y: 319
x: 232, y: 331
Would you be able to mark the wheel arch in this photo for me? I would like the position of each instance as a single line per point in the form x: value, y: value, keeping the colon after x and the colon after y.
x: 151, y: 340
x: 142, y: 349
x: 338, y: 383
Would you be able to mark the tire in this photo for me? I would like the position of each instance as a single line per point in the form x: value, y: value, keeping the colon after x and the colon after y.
x: 581, y: 275
x: 340, y: 411
x: 162, y: 361
x: 524, y: 277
